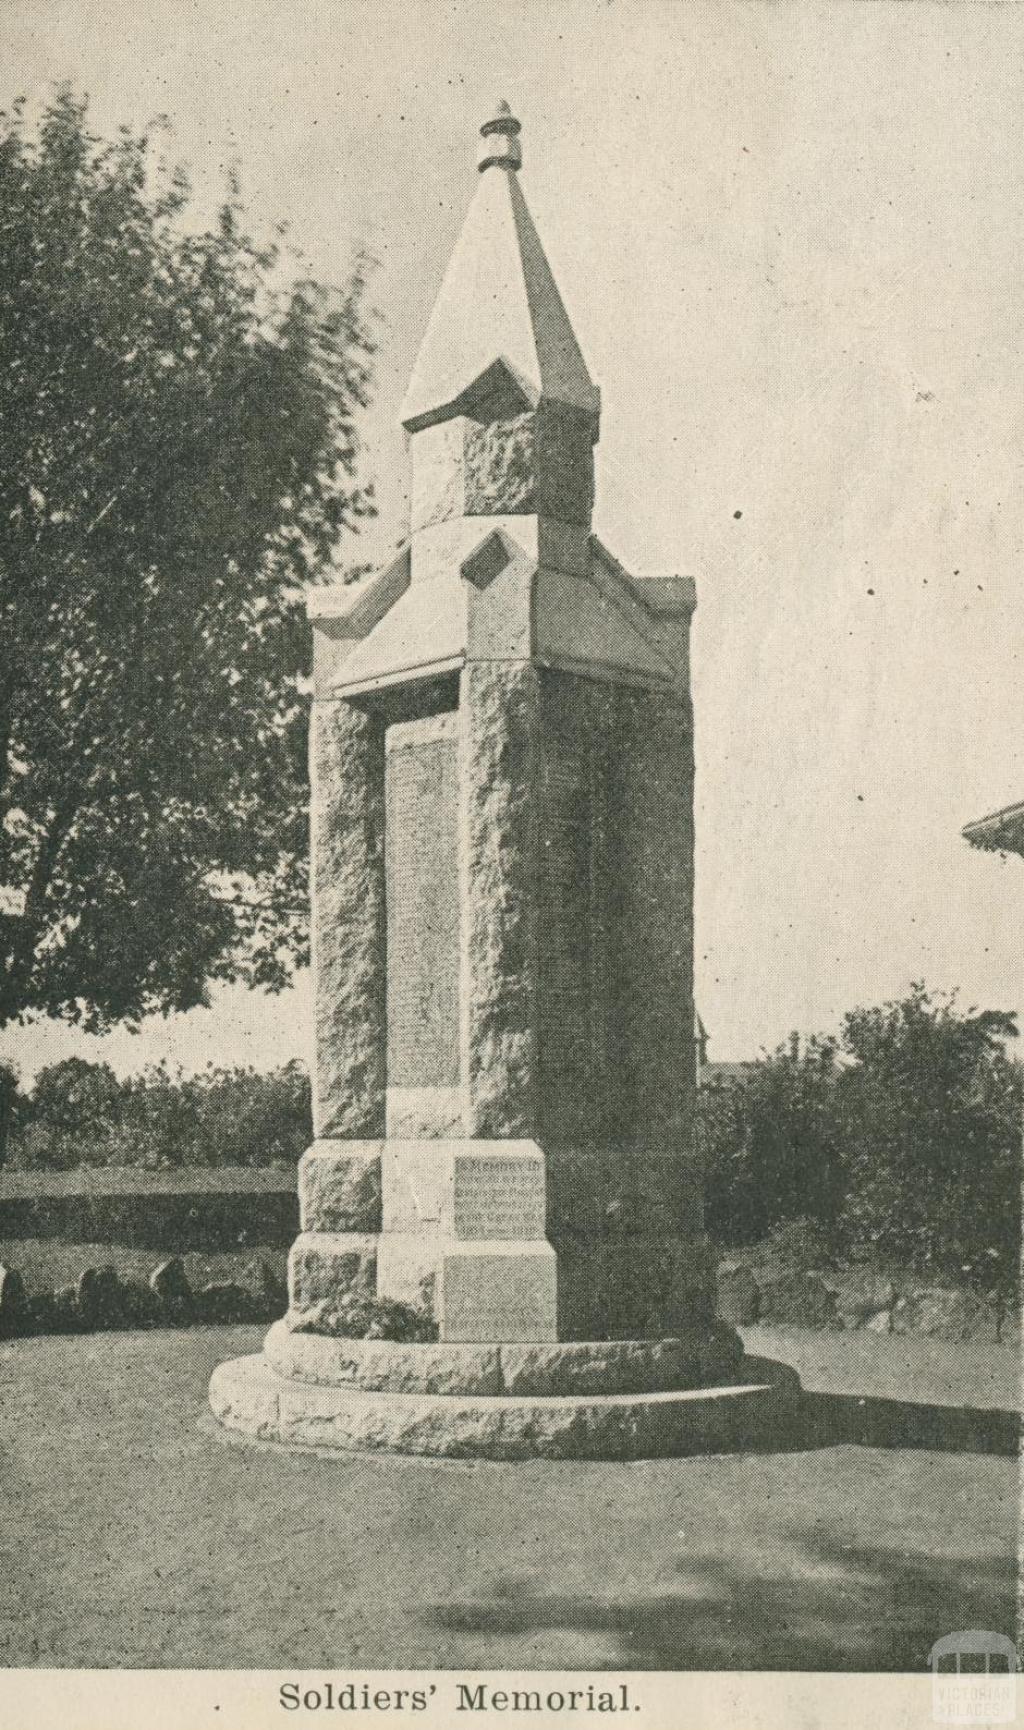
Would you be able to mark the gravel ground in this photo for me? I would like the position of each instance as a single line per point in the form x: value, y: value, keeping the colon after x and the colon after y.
x: 135, y: 1536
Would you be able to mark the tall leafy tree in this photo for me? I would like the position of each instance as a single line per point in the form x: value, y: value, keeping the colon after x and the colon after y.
x: 178, y: 459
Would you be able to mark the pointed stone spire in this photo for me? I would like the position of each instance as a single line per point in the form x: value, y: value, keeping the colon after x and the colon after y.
x: 501, y: 411
x: 499, y: 337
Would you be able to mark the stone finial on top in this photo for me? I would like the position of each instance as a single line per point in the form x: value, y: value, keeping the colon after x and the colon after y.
x: 501, y: 147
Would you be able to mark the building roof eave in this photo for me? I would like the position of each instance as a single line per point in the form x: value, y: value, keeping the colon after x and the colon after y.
x: 1001, y: 832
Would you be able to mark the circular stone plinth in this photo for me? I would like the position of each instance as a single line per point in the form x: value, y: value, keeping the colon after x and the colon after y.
x: 247, y: 1396
x: 712, y: 1354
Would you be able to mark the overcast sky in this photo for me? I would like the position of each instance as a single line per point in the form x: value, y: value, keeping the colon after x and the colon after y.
x: 789, y: 237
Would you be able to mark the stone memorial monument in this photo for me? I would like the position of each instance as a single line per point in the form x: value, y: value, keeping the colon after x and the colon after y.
x: 502, y: 852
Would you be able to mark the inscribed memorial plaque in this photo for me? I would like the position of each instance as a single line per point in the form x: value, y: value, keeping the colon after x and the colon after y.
x: 498, y: 1198
x: 489, y: 1294
x: 421, y: 859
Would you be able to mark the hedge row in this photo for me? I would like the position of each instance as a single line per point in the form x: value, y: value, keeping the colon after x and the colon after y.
x: 203, y: 1220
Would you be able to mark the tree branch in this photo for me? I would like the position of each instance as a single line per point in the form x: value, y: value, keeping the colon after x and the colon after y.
x: 18, y: 966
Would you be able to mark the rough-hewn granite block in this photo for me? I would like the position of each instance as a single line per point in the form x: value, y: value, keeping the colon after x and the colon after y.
x: 340, y: 1187
x: 611, y: 1192
x: 633, y: 1288
x: 326, y: 1267
x: 539, y: 463
x: 651, y: 793
x: 422, y: 1368
x: 248, y: 1397
x: 422, y: 868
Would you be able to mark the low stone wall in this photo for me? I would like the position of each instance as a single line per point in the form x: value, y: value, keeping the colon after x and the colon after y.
x: 858, y: 1297
x: 100, y: 1300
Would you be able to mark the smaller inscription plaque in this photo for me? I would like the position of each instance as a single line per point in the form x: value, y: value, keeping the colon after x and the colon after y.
x: 498, y: 1198
x: 491, y: 1294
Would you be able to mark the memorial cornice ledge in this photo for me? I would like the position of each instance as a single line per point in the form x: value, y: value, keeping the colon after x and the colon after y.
x: 499, y: 602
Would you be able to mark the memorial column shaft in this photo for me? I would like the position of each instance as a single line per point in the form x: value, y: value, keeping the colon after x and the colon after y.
x: 349, y: 956
x: 499, y: 721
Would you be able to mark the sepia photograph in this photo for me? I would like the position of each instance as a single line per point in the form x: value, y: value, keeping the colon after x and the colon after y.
x: 511, y: 862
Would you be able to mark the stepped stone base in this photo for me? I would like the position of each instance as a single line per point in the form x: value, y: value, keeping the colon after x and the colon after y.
x: 248, y: 1396
x: 710, y: 1357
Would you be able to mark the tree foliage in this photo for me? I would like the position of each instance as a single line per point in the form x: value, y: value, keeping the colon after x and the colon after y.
x: 178, y: 458
x: 930, y: 1113
x: 771, y: 1145
x: 899, y: 1142
x: 75, y: 1097
x: 79, y: 1113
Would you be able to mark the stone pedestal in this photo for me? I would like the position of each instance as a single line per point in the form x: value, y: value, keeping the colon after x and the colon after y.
x: 502, y: 942
x: 456, y: 1227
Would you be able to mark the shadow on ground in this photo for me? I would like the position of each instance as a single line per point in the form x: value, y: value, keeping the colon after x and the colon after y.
x: 832, y: 1606
x: 836, y: 1608
x: 835, y: 1420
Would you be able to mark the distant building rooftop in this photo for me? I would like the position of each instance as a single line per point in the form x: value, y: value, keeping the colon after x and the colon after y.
x: 1003, y: 832
x: 727, y: 1074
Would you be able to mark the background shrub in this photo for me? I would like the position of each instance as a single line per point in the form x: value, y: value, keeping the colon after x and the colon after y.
x: 899, y: 1143
x: 771, y: 1147
x: 78, y: 1113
